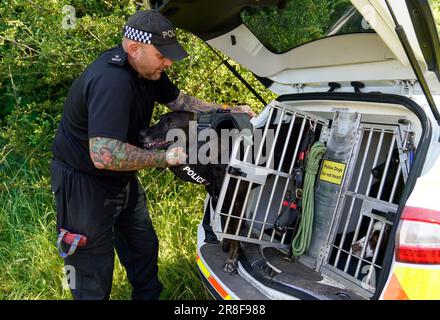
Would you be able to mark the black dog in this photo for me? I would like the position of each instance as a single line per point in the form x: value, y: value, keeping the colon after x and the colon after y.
x: 377, y: 173
x: 211, y: 175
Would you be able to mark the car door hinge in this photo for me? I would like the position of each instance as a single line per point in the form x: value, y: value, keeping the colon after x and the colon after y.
x: 299, y: 87
x: 406, y: 87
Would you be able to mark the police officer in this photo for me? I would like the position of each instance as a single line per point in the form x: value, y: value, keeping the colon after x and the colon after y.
x: 100, y: 203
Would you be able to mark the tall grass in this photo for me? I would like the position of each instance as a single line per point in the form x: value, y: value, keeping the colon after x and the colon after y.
x: 30, y: 265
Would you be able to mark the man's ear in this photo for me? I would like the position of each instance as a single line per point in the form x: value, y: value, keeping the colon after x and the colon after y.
x: 133, y: 49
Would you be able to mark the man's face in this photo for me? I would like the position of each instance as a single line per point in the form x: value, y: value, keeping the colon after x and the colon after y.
x: 149, y: 62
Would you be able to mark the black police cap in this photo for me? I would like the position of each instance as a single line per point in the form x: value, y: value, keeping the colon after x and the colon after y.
x: 151, y: 27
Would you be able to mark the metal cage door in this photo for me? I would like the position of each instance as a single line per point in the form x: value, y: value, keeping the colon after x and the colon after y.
x: 259, y: 174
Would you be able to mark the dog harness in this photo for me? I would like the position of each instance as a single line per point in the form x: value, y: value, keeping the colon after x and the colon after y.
x: 224, y: 119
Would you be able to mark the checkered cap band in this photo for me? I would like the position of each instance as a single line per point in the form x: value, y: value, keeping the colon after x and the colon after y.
x: 137, y: 35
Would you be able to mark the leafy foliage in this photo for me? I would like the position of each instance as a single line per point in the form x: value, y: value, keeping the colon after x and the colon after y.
x: 40, y: 57
x: 435, y: 7
x: 299, y: 22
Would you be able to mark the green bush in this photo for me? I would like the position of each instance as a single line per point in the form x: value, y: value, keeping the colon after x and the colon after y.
x: 299, y: 22
x: 435, y: 5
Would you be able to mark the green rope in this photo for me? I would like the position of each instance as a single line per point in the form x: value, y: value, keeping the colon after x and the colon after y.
x: 301, y: 242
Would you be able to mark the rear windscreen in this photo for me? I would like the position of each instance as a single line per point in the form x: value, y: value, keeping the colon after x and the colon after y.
x: 301, y: 21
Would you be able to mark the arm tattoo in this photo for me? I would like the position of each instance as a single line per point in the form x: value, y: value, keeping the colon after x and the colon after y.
x: 115, y: 155
x: 185, y: 102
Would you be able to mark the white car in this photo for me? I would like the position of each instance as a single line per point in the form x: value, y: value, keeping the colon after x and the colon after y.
x: 361, y: 77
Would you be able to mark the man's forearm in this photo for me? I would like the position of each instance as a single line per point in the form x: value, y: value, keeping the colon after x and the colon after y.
x: 185, y: 102
x: 112, y: 154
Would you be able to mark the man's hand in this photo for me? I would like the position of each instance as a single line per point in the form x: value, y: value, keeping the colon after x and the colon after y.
x: 176, y: 156
x: 243, y: 109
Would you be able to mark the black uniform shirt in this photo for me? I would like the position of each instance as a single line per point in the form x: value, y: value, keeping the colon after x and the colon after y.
x: 108, y: 100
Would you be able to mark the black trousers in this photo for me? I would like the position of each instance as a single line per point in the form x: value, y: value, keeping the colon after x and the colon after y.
x: 112, y: 213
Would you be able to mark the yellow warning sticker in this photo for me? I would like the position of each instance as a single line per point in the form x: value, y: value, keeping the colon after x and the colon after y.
x: 332, y: 172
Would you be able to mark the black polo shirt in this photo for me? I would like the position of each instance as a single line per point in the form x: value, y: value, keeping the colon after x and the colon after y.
x: 109, y: 100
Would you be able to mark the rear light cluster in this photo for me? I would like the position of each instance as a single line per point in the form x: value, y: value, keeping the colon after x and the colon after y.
x: 418, y: 237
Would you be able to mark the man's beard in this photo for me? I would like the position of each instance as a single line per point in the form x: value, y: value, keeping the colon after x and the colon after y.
x: 153, y: 76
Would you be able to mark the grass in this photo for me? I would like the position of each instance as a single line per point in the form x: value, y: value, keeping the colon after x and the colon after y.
x: 30, y: 265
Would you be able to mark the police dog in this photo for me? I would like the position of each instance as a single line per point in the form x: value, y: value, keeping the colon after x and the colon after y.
x: 371, y: 244
x: 211, y: 175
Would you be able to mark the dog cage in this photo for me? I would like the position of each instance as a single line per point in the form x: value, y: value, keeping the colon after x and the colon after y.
x: 262, y: 171
x: 367, y: 207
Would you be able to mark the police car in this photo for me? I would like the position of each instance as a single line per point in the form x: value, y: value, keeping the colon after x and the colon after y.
x: 363, y: 77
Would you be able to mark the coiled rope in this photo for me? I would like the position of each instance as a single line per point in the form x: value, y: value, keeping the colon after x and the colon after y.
x: 301, y: 242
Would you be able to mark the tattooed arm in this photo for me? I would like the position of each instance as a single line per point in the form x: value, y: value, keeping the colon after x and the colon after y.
x: 185, y: 102
x: 115, y: 155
